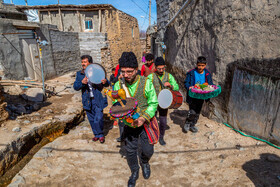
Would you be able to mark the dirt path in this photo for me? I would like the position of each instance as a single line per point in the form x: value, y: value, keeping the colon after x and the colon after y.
x: 215, y: 156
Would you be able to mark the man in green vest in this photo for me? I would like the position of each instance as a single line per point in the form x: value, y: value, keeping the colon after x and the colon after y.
x: 143, y: 91
x: 162, y: 79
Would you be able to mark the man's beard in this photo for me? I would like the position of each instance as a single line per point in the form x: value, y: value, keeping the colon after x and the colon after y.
x: 131, y: 80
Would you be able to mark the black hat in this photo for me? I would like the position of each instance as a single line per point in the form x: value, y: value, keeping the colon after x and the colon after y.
x: 159, y: 61
x: 128, y: 60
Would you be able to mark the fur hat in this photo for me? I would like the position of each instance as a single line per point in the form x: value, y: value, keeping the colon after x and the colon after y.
x: 159, y: 61
x: 128, y: 60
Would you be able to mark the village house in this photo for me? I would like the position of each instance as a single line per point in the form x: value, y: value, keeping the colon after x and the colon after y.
x: 69, y: 31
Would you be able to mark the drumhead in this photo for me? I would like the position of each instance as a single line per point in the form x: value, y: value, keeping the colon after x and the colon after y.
x: 165, y: 98
x: 95, y: 73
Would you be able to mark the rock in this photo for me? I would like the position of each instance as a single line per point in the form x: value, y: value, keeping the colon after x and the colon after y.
x: 239, y: 147
x: 37, y: 114
x: 34, y: 94
x: 208, y: 125
x: 209, y: 135
x: 14, y: 90
x: 273, y: 158
x: 26, y: 122
x: 223, y: 156
x: 49, y: 111
x: 16, y: 129
x: 17, y: 181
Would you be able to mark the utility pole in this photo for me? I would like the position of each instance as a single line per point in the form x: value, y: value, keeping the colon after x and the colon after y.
x: 25, y: 2
x: 150, y: 4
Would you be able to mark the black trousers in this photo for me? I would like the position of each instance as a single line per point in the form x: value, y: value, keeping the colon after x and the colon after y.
x: 136, y: 144
x: 162, y: 121
x: 195, y: 109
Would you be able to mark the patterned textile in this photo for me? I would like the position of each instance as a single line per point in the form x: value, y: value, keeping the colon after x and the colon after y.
x: 152, y: 131
x: 157, y: 85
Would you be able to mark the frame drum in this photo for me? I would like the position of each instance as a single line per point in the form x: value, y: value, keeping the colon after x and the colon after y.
x: 95, y: 73
x: 170, y: 99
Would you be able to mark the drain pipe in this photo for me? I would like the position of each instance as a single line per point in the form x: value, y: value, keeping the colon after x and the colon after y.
x: 185, y: 5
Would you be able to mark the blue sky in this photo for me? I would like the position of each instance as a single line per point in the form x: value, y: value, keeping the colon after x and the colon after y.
x: 127, y: 6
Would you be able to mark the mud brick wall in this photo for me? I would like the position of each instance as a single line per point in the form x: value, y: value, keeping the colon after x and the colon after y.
x: 123, y: 35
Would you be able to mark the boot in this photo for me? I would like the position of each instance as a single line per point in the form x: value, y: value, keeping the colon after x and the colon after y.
x: 146, y: 170
x: 133, y: 178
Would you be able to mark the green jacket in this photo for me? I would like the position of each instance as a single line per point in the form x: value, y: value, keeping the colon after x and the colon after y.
x: 143, y: 91
x: 166, y: 77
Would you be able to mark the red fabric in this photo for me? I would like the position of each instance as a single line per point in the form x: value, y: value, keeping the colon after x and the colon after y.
x: 142, y: 70
x: 117, y: 70
x: 152, y: 131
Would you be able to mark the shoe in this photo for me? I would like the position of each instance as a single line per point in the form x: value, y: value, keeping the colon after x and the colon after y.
x: 133, y: 178
x: 161, y: 141
x: 193, y: 129
x: 95, y: 139
x: 102, y: 139
x: 146, y: 170
x: 186, y: 127
x: 167, y: 127
x: 119, y: 139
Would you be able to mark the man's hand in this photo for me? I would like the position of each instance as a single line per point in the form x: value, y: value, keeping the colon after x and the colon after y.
x: 104, y: 81
x: 167, y: 84
x: 139, y: 122
x: 85, y: 80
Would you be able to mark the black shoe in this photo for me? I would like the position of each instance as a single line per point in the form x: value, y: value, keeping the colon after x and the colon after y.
x: 161, y: 141
x: 186, y: 127
x: 119, y: 139
x: 133, y: 178
x: 193, y: 129
x: 146, y: 170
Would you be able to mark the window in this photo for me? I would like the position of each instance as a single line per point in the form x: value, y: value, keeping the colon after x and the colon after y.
x: 88, y: 25
x: 132, y: 32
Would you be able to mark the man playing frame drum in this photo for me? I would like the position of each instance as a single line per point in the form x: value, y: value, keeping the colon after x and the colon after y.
x: 161, y: 79
x: 139, y: 138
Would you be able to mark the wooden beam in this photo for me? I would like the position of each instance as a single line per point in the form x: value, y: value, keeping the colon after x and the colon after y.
x: 100, y: 20
x: 39, y: 15
x: 61, y: 22
x: 50, y: 17
x: 70, y: 9
x: 80, y: 22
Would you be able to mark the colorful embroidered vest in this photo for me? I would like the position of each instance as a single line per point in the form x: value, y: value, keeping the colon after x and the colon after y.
x: 156, y: 82
x: 139, y: 94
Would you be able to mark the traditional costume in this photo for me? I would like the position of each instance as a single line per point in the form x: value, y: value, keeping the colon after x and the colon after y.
x: 139, y: 141
x: 158, y: 82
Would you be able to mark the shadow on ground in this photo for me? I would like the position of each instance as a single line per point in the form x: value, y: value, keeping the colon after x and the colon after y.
x: 264, y: 171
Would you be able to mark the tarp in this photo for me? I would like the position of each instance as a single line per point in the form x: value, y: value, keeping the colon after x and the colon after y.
x: 32, y: 15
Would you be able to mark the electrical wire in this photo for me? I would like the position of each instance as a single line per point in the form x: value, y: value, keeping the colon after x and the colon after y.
x: 142, y: 9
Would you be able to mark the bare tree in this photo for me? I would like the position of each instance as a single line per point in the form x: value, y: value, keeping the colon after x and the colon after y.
x: 142, y: 34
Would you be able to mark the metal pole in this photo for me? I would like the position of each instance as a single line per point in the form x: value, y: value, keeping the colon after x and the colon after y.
x: 150, y: 4
x: 187, y: 3
x: 42, y: 69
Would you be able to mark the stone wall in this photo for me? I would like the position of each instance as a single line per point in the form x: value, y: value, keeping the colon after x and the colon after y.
x: 11, y: 65
x: 123, y: 35
x: 223, y: 31
x: 66, y: 51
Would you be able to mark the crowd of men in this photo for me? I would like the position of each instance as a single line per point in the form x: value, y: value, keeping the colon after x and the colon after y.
x: 144, y: 86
